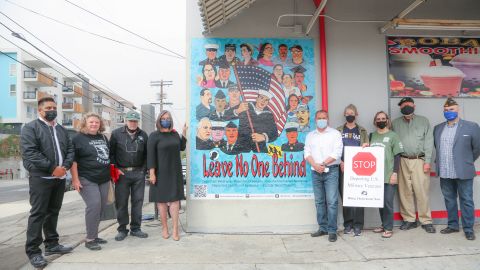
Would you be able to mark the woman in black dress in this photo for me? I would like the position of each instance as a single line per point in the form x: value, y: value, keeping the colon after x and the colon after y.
x: 164, y: 163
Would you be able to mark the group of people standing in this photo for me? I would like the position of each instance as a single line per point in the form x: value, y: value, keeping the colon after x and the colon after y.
x: 409, y: 143
x: 49, y: 152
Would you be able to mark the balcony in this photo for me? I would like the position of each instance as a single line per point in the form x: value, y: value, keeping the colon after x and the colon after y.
x: 73, y: 90
x: 71, y: 123
x: 34, y: 96
x: 38, y: 78
x: 120, y: 108
x: 120, y: 120
x: 97, y: 101
x: 67, y: 106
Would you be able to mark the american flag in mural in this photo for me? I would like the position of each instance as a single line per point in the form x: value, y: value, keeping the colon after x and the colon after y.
x: 252, y: 79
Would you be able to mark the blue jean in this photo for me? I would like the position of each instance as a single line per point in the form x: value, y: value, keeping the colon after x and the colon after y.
x: 464, y: 189
x: 386, y: 213
x: 325, y: 190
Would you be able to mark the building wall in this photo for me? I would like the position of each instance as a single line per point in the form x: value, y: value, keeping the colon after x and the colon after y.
x: 357, y: 73
x: 8, y: 102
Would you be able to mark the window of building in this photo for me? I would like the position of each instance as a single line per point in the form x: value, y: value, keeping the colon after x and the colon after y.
x: 13, y: 90
x: 13, y: 70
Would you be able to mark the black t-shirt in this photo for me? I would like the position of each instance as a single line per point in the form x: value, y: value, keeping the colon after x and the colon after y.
x: 92, y: 157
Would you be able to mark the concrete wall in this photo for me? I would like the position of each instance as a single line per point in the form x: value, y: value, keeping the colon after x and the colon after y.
x: 357, y: 73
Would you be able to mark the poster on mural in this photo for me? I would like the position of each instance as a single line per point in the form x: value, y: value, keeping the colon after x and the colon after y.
x: 251, y: 106
x: 434, y: 66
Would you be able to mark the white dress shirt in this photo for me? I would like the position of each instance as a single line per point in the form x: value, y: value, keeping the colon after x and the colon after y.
x: 322, y: 145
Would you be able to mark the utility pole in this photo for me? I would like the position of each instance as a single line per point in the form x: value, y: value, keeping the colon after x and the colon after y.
x: 162, y: 96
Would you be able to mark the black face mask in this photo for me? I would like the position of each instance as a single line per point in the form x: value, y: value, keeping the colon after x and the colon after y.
x: 350, y: 118
x: 50, y: 115
x: 381, y: 124
x: 132, y: 130
x: 407, y: 110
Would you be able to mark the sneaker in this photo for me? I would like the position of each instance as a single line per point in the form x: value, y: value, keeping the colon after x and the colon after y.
x: 449, y: 230
x: 139, y: 234
x: 332, y: 237
x: 38, y: 261
x: 357, y: 232
x: 347, y: 230
x: 120, y: 236
x: 318, y: 233
x: 92, y: 245
x: 58, y: 249
x: 429, y: 228
x: 408, y: 225
x: 100, y: 241
x: 470, y: 235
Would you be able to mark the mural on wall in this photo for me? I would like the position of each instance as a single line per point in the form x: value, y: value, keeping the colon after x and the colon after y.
x: 434, y: 66
x: 252, y: 103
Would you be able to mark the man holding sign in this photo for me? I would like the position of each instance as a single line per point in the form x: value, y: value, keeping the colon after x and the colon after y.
x: 323, y: 149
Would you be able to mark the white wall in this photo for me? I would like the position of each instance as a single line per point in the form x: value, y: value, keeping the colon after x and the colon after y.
x: 357, y: 73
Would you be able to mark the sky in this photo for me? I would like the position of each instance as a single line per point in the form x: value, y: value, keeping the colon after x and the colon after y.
x: 125, y: 70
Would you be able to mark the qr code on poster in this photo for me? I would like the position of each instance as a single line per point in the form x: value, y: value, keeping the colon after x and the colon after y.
x: 200, y: 191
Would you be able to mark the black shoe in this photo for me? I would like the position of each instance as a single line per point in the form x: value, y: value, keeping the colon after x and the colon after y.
x: 470, y: 235
x: 408, y: 225
x: 139, y: 234
x: 332, y: 237
x: 357, y: 232
x: 38, y: 261
x: 318, y: 233
x: 448, y: 230
x: 100, y: 241
x: 58, y: 249
x: 92, y: 245
x: 429, y: 228
x: 120, y: 236
x: 347, y: 230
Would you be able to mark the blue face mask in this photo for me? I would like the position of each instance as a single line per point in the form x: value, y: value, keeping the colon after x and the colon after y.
x: 165, y: 123
x: 322, y: 123
x: 449, y: 115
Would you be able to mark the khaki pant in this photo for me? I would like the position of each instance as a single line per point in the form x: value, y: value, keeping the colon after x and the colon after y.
x: 414, y: 184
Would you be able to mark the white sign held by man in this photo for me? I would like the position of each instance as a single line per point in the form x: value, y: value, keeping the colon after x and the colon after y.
x: 363, y: 176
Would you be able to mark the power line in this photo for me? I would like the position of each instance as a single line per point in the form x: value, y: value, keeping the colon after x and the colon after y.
x: 88, y: 32
x: 123, y: 28
x: 94, y: 86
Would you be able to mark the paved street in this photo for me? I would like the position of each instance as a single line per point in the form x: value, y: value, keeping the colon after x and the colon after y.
x: 13, y: 190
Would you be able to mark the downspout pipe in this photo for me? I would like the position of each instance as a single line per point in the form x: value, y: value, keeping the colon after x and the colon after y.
x: 323, y: 57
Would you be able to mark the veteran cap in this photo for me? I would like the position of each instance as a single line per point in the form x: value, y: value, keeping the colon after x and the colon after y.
x: 218, y: 125
x: 211, y: 47
x: 298, y: 69
x: 450, y: 102
x: 291, y: 126
x: 405, y: 99
x: 132, y: 116
x: 220, y: 95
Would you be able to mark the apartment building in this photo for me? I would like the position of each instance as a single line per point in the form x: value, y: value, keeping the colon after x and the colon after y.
x: 21, y: 87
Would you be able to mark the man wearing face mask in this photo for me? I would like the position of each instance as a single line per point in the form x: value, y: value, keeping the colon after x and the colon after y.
x: 457, y: 144
x: 416, y: 135
x: 323, y: 150
x: 47, y: 153
x: 128, y: 152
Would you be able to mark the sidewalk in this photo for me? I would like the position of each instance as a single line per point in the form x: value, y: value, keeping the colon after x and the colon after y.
x: 412, y: 249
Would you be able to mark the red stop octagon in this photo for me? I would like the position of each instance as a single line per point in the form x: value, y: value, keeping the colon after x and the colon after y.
x: 364, y: 164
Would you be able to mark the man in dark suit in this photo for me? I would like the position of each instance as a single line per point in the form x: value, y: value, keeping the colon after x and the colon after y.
x: 457, y: 144
x: 223, y: 75
x: 231, y: 147
x: 219, y: 113
x: 47, y: 153
x: 264, y: 127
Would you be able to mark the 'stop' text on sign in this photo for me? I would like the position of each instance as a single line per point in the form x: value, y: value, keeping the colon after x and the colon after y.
x: 364, y: 164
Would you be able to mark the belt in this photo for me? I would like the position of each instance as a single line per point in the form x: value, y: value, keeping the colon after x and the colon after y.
x: 129, y: 169
x: 421, y: 156
x: 333, y: 166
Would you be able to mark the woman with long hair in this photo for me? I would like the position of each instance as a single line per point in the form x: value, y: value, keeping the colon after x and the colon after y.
x: 165, y: 168
x: 265, y: 54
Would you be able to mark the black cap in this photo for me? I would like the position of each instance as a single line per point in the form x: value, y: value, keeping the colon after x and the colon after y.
x: 296, y: 46
x: 405, y: 99
x: 298, y: 69
x: 450, y: 102
x: 231, y: 47
x: 220, y: 95
x: 231, y: 125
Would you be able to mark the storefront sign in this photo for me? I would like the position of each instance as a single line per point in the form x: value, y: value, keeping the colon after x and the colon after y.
x: 434, y: 66
x: 252, y: 103
x: 363, y: 176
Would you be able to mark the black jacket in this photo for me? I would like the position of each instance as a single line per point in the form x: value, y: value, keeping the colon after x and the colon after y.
x: 38, y: 150
x: 128, y: 152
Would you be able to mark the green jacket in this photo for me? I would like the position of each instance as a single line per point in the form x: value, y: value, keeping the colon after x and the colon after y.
x: 363, y: 133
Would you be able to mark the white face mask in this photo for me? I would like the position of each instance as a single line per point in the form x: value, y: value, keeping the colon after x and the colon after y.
x: 322, y: 123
